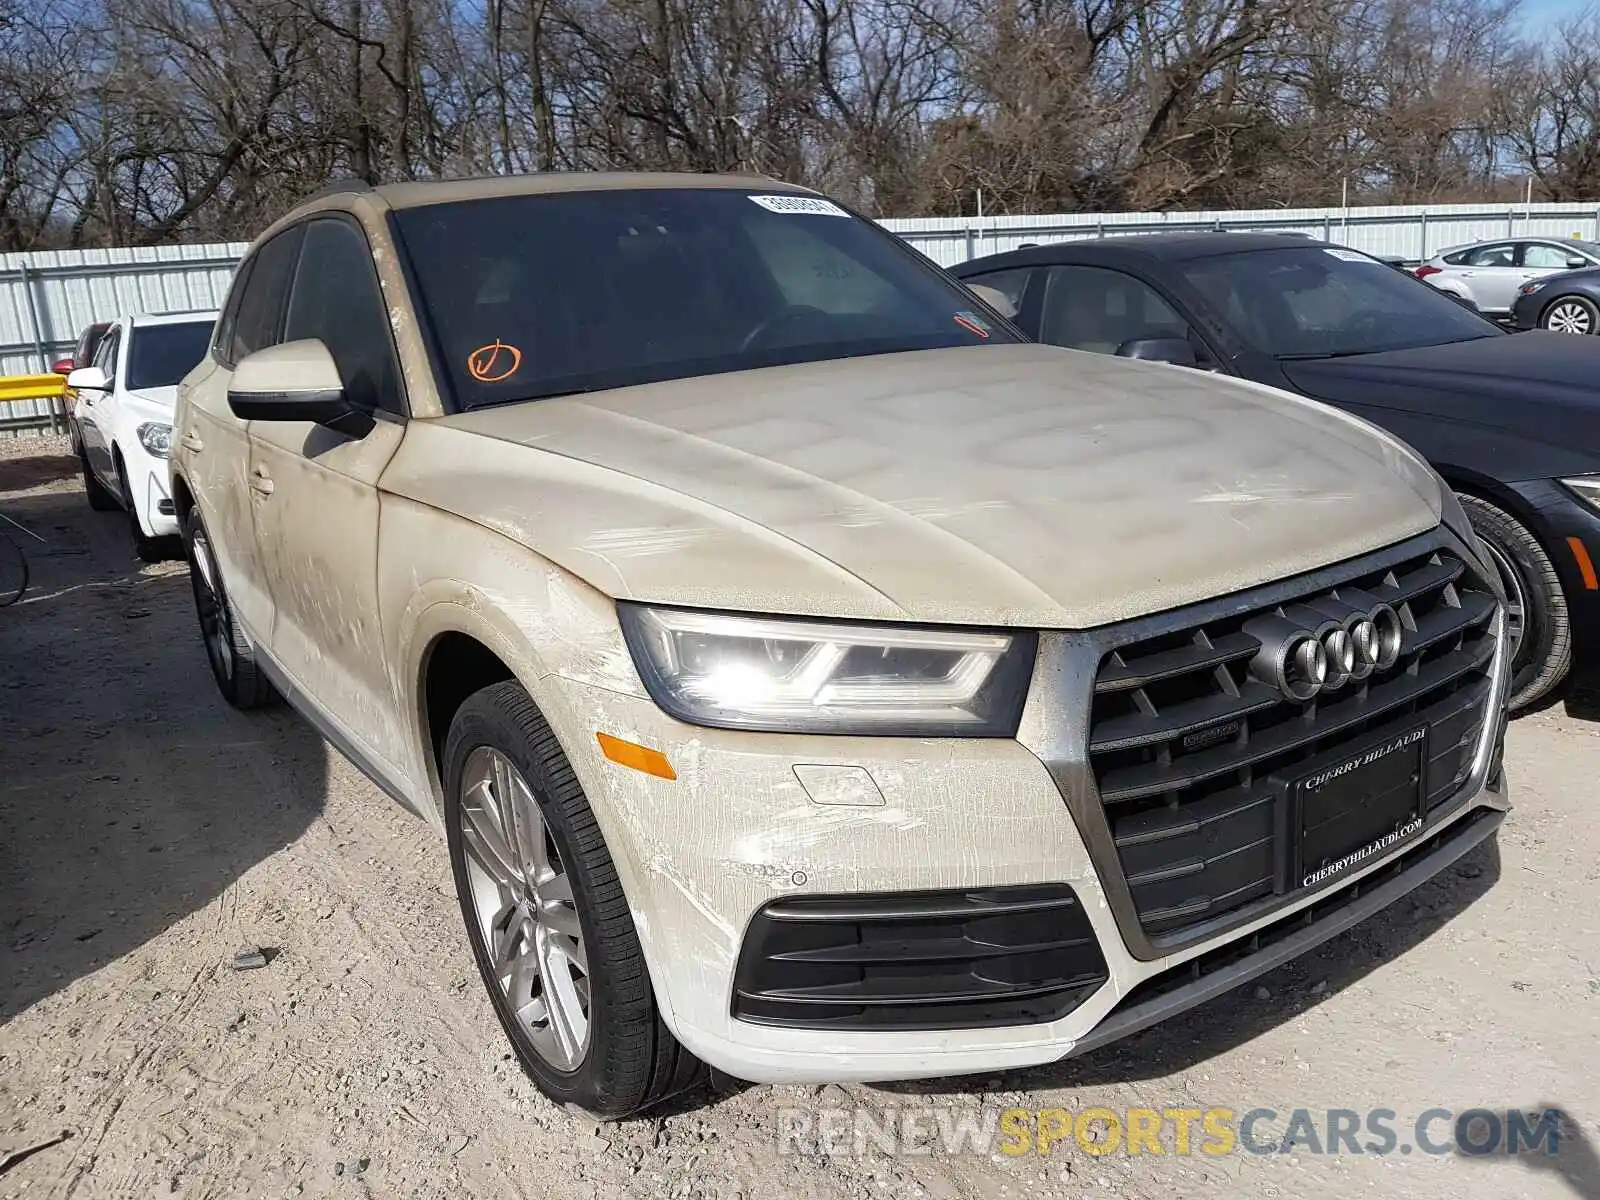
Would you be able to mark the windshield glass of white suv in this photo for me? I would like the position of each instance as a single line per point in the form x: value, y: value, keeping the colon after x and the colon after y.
x: 547, y: 295
x: 1312, y: 302
x: 161, y: 355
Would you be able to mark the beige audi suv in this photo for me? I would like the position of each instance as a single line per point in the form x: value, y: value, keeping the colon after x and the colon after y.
x: 808, y: 676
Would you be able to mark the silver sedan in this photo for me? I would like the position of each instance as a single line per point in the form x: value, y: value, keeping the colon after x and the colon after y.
x: 1489, y: 273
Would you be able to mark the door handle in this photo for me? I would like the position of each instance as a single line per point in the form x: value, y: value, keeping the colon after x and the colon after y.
x: 261, y: 481
x: 192, y: 443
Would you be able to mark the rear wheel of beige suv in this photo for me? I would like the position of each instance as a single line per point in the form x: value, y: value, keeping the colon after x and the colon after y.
x: 546, y: 915
x: 232, y: 657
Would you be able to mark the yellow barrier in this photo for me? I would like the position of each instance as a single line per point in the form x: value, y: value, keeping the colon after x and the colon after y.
x: 31, y: 387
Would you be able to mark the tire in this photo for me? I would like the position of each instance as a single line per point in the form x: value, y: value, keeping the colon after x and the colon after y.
x: 232, y: 657
x: 1571, y: 314
x: 1544, y: 653
x: 100, y: 496
x: 149, y: 549
x: 627, y: 1059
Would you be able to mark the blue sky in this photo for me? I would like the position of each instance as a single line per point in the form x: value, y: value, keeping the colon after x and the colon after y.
x: 1537, y: 14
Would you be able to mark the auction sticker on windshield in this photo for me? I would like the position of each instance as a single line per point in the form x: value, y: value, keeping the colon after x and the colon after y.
x: 813, y: 206
x: 1350, y: 256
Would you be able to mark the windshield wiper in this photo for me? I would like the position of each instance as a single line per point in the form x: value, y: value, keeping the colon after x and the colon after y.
x: 1324, y: 354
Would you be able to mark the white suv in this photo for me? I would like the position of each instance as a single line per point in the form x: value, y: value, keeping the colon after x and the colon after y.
x: 122, y: 418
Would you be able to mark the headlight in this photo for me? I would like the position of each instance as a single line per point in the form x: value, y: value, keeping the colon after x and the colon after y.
x: 156, y: 438
x: 1529, y: 289
x: 1585, y: 488
x: 789, y: 676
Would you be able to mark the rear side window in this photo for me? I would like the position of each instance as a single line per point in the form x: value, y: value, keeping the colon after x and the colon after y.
x: 105, y: 355
x: 1010, y: 284
x: 1490, y: 256
x: 337, y: 298
x: 222, y: 336
x: 261, y: 304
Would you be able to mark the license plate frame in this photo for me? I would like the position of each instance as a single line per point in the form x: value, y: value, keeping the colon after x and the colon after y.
x: 1358, y: 804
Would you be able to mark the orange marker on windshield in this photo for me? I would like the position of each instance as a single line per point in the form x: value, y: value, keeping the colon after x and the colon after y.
x: 494, y: 362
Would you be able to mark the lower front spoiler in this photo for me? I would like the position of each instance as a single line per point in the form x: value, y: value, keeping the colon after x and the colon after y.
x: 1228, y: 966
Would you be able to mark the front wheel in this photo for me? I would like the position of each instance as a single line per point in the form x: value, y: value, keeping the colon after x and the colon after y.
x: 1572, y: 314
x: 1537, y: 624
x: 100, y: 496
x: 546, y: 916
x: 149, y: 549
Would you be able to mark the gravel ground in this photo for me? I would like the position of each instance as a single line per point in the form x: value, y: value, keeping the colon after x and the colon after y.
x: 148, y: 832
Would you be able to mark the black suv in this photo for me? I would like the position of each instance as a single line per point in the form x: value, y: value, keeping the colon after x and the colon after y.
x: 1511, y: 421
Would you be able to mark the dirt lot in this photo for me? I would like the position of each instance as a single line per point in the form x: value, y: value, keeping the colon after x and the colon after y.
x: 147, y: 832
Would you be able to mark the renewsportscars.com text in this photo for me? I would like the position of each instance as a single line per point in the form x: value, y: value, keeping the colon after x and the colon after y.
x: 916, y: 1130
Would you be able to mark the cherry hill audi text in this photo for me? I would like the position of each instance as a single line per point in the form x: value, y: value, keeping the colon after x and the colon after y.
x: 810, y: 677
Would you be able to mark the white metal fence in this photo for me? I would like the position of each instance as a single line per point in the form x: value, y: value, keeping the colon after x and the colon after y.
x: 47, y: 297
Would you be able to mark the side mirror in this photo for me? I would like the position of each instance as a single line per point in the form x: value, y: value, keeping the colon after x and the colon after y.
x: 62, y: 366
x: 1574, y: 263
x: 88, y: 379
x: 995, y: 299
x: 1173, y: 350
x: 297, y: 381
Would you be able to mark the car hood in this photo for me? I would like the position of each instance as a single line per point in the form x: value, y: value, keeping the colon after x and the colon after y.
x: 1539, y: 385
x: 1003, y: 485
x: 157, y: 402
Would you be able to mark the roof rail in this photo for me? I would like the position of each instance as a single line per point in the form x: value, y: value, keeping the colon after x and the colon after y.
x: 337, y: 188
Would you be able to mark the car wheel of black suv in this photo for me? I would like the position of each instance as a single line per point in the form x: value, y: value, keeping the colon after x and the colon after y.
x: 232, y: 657
x: 1536, y: 613
x: 546, y: 916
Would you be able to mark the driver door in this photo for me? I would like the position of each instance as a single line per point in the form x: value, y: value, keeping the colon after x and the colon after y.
x: 315, y: 497
x: 94, y: 411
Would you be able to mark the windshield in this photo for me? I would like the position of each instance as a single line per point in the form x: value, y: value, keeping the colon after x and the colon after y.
x: 1320, y: 302
x: 545, y: 295
x: 161, y: 355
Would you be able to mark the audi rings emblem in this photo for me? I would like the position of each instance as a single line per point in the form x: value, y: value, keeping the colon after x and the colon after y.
x: 1324, y: 644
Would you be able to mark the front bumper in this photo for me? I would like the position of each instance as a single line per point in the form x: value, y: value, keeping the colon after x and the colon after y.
x: 1525, y: 310
x: 147, y: 480
x: 1569, y: 530
x: 756, y: 819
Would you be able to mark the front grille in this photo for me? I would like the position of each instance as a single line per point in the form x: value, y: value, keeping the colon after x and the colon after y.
x: 1233, y: 963
x: 1191, y: 754
x: 918, y: 960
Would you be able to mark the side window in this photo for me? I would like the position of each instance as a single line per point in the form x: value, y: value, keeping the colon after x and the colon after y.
x: 1503, y: 255
x: 1097, y: 309
x: 1010, y: 284
x: 337, y: 298
x: 1537, y: 254
x: 256, y: 324
x: 222, y: 336
x: 106, y: 356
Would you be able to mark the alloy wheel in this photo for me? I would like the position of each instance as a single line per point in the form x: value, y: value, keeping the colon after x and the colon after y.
x: 522, y: 899
x: 1516, y: 595
x: 209, y: 605
x: 1568, y: 316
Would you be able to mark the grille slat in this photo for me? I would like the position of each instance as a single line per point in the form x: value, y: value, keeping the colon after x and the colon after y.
x: 1193, y: 757
x: 1117, y: 677
x: 1141, y: 730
